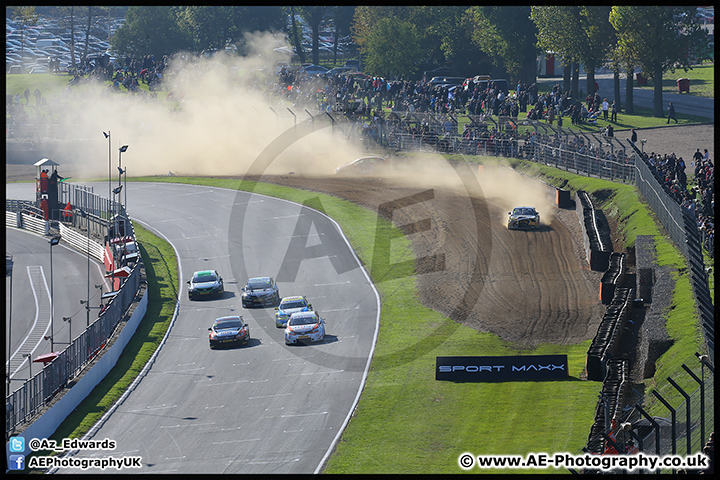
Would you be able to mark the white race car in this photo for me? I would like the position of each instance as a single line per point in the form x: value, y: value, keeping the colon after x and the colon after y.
x: 523, y: 217
x: 304, y: 326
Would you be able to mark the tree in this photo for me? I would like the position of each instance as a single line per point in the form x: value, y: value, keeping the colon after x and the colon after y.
x: 215, y: 27
x: 508, y: 36
x: 151, y: 30
x: 87, y: 30
x: 296, y: 38
x: 26, y: 17
x: 659, y: 38
x: 578, y: 32
x: 558, y: 30
x: 598, y: 38
x: 314, y: 17
x: 342, y: 19
x: 392, y: 48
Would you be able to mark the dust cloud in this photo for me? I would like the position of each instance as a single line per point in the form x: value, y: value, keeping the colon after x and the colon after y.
x: 227, y: 112
x: 225, y: 116
x: 499, y: 184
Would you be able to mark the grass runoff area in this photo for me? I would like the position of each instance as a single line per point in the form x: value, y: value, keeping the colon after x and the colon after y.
x: 406, y: 421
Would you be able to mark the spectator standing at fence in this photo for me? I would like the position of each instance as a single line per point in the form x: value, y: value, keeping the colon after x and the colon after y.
x: 633, y: 136
x: 671, y: 113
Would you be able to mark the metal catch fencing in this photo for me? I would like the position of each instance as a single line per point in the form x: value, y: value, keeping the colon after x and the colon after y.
x: 85, y: 233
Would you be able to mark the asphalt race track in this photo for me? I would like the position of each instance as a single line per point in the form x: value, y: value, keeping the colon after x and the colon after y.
x: 31, y: 287
x: 260, y: 408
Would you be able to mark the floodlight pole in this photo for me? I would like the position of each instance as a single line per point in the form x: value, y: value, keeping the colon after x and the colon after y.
x: 53, y: 241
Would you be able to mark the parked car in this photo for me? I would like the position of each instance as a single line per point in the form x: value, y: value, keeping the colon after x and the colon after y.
x: 449, y: 81
x: 313, y: 70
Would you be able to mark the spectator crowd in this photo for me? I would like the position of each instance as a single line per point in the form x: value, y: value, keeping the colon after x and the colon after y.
x: 696, y: 197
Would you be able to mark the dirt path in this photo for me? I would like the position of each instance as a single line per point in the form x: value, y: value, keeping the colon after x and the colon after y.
x: 527, y: 287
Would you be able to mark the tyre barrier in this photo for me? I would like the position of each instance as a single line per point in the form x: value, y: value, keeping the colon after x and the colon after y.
x: 596, y: 238
x: 562, y: 199
x: 605, y: 345
x: 609, y: 405
x: 612, y: 278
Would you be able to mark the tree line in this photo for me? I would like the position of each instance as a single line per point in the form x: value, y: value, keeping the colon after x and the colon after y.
x: 403, y: 41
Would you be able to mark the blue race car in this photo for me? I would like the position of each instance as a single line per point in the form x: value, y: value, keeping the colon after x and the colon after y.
x: 288, y: 306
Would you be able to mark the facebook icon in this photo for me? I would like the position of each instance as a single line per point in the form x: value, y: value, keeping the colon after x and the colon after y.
x: 17, y: 462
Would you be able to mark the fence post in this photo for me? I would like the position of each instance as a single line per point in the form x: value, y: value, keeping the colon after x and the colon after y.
x: 687, y: 413
x: 672, y: 426
x: 654, y: 425
x: 294, y: 116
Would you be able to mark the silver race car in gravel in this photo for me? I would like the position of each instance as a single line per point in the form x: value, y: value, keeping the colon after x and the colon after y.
x: 523, y: 218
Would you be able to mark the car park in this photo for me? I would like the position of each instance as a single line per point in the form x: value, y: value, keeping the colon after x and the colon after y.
x: 304, y: 326
x: 523, y: 218
x: 204, y: 284
x: 260, y: 292
x: 288, y: 306
x: 228, y: 330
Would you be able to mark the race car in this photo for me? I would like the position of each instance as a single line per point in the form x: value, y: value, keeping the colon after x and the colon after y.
x: 362, y: 165
x: 523, y: 217
x: 228, y: 330
x: 288, y: 306
x: 260, y: 292
x: 304, y: 326
x: 205, y: 283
